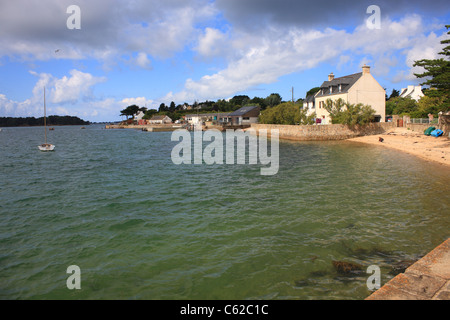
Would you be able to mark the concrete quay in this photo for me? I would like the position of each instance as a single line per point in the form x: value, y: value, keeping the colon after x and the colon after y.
x: 427, y: 279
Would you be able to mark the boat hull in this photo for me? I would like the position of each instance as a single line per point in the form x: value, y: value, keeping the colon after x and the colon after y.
x: 48, y: 147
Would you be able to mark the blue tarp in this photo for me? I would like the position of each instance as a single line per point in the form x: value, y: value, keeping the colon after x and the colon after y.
x: 437, y: 133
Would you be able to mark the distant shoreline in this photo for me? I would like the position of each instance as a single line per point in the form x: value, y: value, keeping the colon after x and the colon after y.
x: 8, y: 122
x: 49, y: 125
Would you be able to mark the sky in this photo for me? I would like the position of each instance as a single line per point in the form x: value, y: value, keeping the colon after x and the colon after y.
x: 105, y: 55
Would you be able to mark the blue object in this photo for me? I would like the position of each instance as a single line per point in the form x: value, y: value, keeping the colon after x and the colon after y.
x: 437, y: 133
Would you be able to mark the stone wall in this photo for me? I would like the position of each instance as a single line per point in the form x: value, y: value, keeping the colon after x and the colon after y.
x: 324, y: 132
x: 420, y: 127
x: 443, y: 124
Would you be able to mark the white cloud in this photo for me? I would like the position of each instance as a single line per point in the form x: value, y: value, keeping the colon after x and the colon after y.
x: 67, y: 90
x: 143, y: 61
x: 74, y: 88
x: 278, y: 52
x: 140, y: 101
x: 211, y: 43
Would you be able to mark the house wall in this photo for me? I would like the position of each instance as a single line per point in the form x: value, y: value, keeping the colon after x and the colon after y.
x: 250, y: 120
x: 368, y: 91
x: 321, y: 112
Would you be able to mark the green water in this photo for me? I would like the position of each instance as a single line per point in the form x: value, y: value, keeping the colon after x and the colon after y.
x: 139, y: 227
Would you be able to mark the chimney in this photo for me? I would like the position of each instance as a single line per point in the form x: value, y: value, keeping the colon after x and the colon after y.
x: 366, y: 69
x: 331, y: 77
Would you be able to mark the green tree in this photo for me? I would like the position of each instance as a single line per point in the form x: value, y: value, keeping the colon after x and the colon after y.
x: 163, y: 108
x: 130, y: 111
x: 349, y: 114
x: 239, y: 100
x: 172, y: 107
x: 401, y: 106
x: 425, y: 106
x: 437, y: 73
x: 287, y: 113
x: 273, y: 100
x: 149, y: 114
x: 260, y: 102
x: 394, y: 94
x: 313, y: 91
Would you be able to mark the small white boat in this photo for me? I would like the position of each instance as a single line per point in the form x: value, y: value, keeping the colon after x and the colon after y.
x: 46, y: 146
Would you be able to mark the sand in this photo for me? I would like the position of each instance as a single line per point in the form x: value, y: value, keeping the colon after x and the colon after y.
x: 415, y: 143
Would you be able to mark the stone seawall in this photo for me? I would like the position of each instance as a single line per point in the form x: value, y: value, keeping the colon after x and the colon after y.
x: 324, y: 132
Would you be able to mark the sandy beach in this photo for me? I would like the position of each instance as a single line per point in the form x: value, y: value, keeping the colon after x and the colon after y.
x: 415, y: 143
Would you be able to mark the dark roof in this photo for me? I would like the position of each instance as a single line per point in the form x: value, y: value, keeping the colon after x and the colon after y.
x: 310, y: 98
x: 242, y: 111
x: 345, y: 82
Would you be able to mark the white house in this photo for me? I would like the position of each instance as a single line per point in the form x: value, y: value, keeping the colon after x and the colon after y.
x: 139, y: 116
x: 309, y: 103
x: 160, y: 120
x: 413, y: 92
x: 356, y: 88
x: 245, y: 115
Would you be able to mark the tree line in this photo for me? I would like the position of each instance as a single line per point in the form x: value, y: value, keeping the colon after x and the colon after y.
x: 51, y: 121
x: 176, y: 112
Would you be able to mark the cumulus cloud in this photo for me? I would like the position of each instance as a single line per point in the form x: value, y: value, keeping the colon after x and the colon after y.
x: 61, y: 94
x: 212, y: 43
x: 69, y: 95
x: 143, y: 61
x: 34, y: 29
x: 280, y: 52
x: 68, y: 89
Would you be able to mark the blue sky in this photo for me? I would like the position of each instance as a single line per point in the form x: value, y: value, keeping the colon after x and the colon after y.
x: 148, y: 52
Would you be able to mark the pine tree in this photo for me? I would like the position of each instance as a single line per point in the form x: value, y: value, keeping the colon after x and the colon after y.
x: 438, y: 74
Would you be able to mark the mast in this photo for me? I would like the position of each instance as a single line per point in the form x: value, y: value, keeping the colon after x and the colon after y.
x: 45, y: 119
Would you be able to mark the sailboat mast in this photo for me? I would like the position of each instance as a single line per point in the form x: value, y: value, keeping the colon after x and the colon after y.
x: 45, y: 119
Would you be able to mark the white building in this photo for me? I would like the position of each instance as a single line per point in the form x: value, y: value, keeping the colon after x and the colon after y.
x: 160, y: 120
x: 413, y: 92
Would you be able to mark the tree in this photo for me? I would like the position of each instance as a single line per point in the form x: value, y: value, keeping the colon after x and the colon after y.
x: 260, y: 102
x: 437, y: 73
x: 287, y: 113
x: 130, y: 111
x: 163, y: 108
x: 313, y: 91
x: 149, y: 114
x: 425, y: 106
x: 394, y: 94
x: 349, y: 114
x: 172, y: 107
x: 239, y: 100
x: 273, y: 100
x: 401, y: 106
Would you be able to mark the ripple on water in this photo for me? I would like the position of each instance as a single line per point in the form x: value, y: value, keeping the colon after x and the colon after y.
x: 140, y: 227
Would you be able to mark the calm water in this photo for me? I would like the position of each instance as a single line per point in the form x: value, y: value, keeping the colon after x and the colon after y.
x: 140, y: 227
